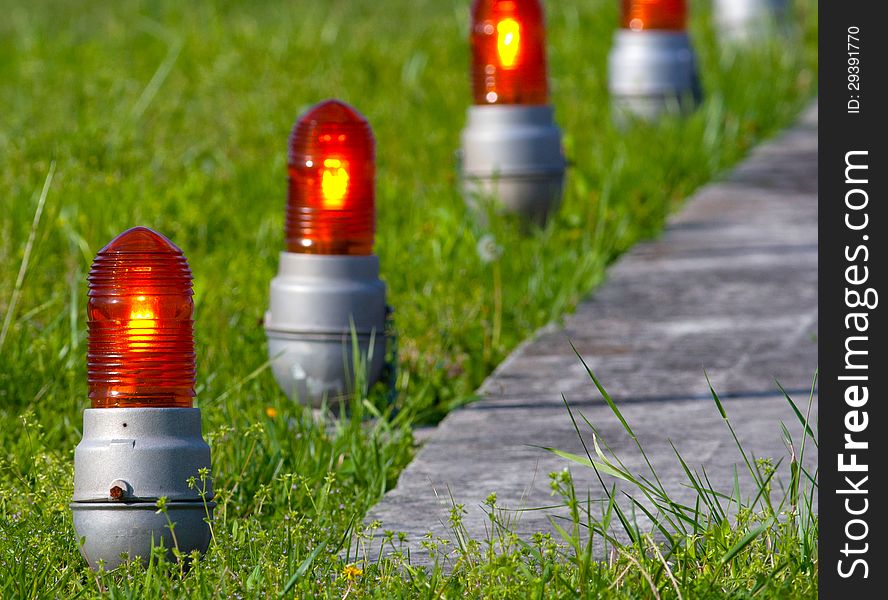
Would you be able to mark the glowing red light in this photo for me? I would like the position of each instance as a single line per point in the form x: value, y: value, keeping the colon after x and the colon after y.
x: 332, y: 166
x: 639, y: 15
x: 141, y: 334
x: 508, y: 41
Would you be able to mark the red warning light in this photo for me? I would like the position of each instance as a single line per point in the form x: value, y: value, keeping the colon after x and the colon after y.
x: 508, y: 41
x: 639, y: 15
x: 332, y: 169
x: 141, y: 334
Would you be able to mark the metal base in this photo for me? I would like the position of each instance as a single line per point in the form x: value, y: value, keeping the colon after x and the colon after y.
x: 315, y: 302
x: 651, y: 73
x: 512, y: 158
x: 739, y: 21
x: 127, y: 460
x: 115, y: 533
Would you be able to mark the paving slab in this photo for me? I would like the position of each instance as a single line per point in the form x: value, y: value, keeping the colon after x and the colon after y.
x: 729, y: 287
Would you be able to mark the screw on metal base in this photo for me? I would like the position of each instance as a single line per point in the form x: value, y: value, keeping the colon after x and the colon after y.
x: 118, y: 490
x: 512, y: 160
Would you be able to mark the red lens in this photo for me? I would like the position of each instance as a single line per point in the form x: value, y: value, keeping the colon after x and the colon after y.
x: 332, y: 167
x: 141, y: 333
x: 640, y: 15
x: 508, y: 41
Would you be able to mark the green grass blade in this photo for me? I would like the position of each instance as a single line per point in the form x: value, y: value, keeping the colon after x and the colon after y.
x: 745, y: 541
x: 585, y: 462
x: 798, y: 413
x: 604, y: 394
x: 303, y: 569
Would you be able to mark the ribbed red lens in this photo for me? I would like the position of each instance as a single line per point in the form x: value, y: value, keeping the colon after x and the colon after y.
x: 141, y: 333
x: 640, y: 15
x: 508, y: 41
x: 331, y: 207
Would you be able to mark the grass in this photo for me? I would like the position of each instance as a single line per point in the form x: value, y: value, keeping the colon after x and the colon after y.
x: 721, y: 543
x: 175, y: 116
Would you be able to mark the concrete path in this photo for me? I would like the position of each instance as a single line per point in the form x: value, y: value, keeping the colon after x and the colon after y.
x: 731, y: 286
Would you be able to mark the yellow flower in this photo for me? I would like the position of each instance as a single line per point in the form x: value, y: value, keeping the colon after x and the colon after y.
x: 352, y: 571
x: 271, y: 411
